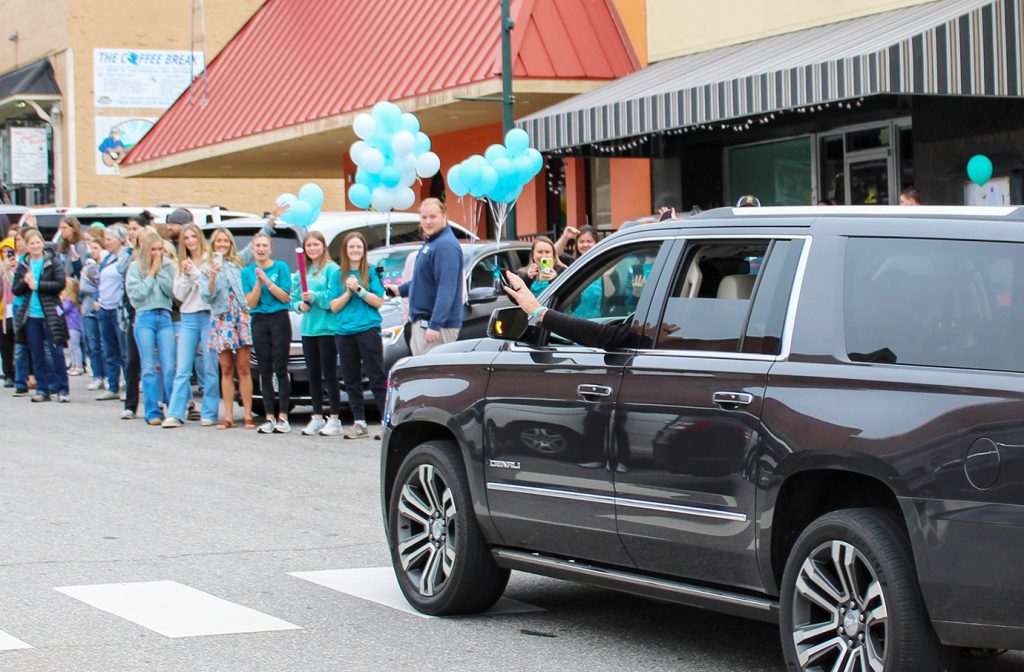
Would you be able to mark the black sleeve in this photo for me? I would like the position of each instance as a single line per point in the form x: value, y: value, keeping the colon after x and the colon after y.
x: 54, y: 283
x: 591, y: 334
x: 18, y: 286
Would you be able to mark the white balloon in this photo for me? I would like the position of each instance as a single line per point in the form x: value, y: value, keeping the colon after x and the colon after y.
x: 373, y: 160
x: 356, y: 151
x: 403, y: 142
x: 404, y: 198
x: 364, y: 125
x: 382, y: 199
x: 406, y: 163
x: 408, y: 179
x: 428, y: 164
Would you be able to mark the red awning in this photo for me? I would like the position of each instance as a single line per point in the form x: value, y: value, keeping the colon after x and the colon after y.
x: 297, y: 61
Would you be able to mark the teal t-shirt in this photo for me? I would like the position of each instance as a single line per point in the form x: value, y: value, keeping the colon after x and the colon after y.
x: 357, y: 316
x: 280, y: 275
x: 35, y: 308
x: 319, y: 320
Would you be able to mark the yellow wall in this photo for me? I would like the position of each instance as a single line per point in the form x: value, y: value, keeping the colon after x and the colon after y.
x: 677, y: 27
x: 633, y: 15
x: 41, y: 26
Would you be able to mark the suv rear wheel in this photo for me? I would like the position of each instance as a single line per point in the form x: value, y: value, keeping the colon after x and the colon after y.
x: 850, y: 599
x: 442, y: 562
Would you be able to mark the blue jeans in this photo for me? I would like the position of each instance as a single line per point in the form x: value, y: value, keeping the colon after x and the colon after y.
x: 154, y: 329
x: 195, y: 331
x: 51, y: 373
x: 110, y: 340
x: 94, y: 346
x: 21, y: 364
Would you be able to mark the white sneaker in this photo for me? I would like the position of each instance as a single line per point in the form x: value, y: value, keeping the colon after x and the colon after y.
x: 266, y: 428
x: 282, y: 427
x: 170, y: 422
x: 314, y: 427
x: 95, y: 385
x: 127, y: 414
x: 332, y: 428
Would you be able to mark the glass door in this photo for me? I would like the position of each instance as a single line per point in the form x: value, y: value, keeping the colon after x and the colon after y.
x: 869, y: 177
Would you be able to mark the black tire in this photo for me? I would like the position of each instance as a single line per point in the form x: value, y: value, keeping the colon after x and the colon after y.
x: 443, y: 564
x: 850, y: 579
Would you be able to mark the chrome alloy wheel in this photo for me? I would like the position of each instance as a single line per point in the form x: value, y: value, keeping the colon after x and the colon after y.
x: 839, y: 612
x: 426, y: 530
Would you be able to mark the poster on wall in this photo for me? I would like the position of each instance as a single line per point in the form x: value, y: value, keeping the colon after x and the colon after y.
x: 30, y: 158
x: 994, y: 192
x: 142, y: 77
x: 114, y: 137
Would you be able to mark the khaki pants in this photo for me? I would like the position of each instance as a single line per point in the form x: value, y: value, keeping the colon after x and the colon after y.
x: 418, y: 341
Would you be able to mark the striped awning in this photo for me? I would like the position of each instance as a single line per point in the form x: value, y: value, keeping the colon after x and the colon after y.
x: 948, y: 47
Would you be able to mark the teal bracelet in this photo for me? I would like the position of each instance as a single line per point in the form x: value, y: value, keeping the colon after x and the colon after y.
x: 537, y: 313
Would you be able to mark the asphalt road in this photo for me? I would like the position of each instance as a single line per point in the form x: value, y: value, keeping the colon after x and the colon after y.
x: 91, y: 500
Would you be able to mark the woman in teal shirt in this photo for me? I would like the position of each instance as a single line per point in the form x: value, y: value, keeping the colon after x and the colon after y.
x: 267, y: 285
x: 359, y: 296
x: 318, y: 326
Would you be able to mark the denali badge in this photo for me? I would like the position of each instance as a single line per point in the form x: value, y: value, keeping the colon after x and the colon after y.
x: 504, y: 464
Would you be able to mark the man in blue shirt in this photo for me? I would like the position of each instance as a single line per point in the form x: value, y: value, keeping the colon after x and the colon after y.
x: 435, y: 291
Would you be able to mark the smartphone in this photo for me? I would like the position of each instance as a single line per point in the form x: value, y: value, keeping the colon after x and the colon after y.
x: 218, y: 258
x: 547, y: 264
x: 638, y: 271
x: 500, y: 279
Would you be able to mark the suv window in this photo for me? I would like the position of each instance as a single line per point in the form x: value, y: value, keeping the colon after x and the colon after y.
x: 730, y: 296
x: 612, y: 289
x: 484, y: 272
x: 935, y: 303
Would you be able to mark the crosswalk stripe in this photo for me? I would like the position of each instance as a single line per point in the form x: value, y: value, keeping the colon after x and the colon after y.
x: 174, y: 609
x: 10, y: 642
x: 378, y: 584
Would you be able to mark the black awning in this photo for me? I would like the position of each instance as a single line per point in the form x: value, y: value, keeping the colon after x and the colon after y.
x: 35, y: 79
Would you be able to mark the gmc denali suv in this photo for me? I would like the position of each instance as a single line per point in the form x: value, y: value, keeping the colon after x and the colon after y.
x: 819, y: 422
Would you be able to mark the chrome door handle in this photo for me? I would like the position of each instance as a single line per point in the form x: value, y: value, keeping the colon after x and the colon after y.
x: 732, y: 400
x: 594, y: 391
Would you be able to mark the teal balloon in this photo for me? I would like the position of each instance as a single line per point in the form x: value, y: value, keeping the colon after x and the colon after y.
x: 367, y: 178
x: 979, y: 169
x: 471, y: 172
x: 503, y: 167
x: 455, y: 182
x: 359, y: 194
x: 536, y: 159
x: 422, y: 143
x: 524, y: 168
x: 390, y: 176
x: 300, y: 214
x: 388, y: 114
x: 513, y: 194
x: 312, y: 193
x: 410, y: 123
x: 495, y: 152
x: 488, y: 179
x: 287, y: 199
x: 517, y: 140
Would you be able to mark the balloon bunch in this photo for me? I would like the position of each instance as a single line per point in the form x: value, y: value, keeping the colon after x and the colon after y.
x: 499, y: 175
x: 393, y: 152
x: 303, y: 209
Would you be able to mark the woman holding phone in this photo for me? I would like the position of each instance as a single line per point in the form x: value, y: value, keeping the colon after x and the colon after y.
x: 193, y: 254
x: 544, y: 266
x: 230, y: 324
x: 149, y: 285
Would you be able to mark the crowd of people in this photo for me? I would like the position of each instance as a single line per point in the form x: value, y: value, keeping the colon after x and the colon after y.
x: 139, y: 304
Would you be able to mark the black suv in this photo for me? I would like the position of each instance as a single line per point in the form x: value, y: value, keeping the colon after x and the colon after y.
x: 820, y: 423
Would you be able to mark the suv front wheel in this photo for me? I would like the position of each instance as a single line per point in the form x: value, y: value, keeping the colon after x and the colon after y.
x: 443, y: 564
x: 850, y: 599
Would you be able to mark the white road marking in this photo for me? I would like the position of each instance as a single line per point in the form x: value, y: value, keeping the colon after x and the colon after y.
x: 174, y: 609
x: 10, y: 642
x: 378, y: 584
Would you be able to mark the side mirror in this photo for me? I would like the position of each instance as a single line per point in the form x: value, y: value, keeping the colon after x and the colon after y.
x: 508, y: 324
x: 479, y: 295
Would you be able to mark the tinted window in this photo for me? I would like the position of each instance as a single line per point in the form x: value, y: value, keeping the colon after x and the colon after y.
x: 935, y: 303
x: 485, y: 272
x: 710, y: 298
x: 613, y: 286
x: 771, y: 301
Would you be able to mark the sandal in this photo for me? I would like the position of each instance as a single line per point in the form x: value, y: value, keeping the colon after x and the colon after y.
x: 225, y: 424
x: 249, y: 423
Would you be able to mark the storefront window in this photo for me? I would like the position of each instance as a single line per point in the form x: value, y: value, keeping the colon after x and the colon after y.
x: 777, y: 173
x: 833, y: 182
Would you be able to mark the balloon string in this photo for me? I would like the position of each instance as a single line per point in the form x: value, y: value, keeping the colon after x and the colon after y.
x: 387, y: 232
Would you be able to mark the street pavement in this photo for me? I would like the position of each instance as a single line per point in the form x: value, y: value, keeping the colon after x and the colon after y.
x: 168, y: 527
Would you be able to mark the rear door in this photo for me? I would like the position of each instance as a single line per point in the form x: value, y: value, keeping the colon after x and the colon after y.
x: 687, y: 423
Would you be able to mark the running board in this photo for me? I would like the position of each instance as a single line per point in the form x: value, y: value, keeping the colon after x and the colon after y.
x: 738, y: 604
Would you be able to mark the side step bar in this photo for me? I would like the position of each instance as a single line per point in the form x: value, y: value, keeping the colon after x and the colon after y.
x: 738, y: 604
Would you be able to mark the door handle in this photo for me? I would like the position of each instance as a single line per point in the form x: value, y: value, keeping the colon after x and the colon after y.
x: 730, y: 401
x: 594, y: 391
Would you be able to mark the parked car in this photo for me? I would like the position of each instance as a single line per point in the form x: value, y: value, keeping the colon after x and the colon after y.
x: 814, y: 419
x: 13, y: 213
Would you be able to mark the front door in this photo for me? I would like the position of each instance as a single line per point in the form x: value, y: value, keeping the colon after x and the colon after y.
x: 870, y: 180
x: 548, y: 414
x: 687, y: 425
